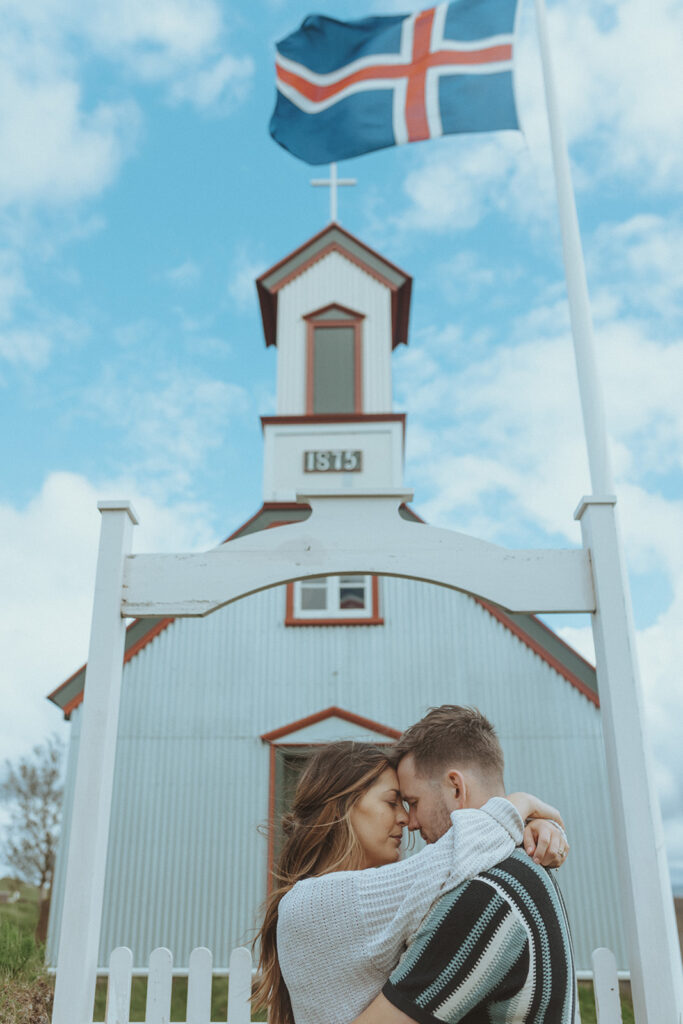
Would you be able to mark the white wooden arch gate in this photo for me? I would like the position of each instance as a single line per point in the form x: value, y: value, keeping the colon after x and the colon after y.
x: 364, y: 533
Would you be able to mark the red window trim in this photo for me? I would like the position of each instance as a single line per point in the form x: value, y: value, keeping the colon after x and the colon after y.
x: 314, y: 320
x: 375, y: 619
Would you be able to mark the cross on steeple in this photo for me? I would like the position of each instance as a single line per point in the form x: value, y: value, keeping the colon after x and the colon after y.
x: 334, y: 182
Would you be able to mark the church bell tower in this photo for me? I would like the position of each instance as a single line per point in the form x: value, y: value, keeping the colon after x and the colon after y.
x: 335, y: 309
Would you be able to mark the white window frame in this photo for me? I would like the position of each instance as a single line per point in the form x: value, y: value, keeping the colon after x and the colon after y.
x: 333, y: 589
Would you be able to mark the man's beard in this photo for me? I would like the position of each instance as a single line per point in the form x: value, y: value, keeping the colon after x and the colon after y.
x: 439, y: 820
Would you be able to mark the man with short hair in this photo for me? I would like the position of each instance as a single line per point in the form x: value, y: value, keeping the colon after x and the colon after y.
x: 497, y: 948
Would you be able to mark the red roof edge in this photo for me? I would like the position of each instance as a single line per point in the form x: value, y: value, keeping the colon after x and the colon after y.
x: 157, y: 628
x: 58, y: 689
x: 267, y: 506
x: 331, y: 712
x: 319, y: 234
x: 538, y: 649
x: 587, y: 663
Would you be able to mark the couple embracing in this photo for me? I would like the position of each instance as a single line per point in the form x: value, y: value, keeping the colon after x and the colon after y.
x: 472, y: 928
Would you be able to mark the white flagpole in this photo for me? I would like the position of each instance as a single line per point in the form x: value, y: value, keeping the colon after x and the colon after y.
x: 577, y: 288
x: 657, y: 980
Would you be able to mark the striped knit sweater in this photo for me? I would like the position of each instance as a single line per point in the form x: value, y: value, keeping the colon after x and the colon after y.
x: 496, y: 949
x: 340, y: 935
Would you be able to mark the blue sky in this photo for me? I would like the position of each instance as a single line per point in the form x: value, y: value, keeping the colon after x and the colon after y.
x: 140, y: 195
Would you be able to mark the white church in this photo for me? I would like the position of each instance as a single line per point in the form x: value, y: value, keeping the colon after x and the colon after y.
x: 219, y: 714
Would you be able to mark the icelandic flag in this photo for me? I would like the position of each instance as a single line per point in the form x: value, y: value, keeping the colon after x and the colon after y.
x: 349, y: 87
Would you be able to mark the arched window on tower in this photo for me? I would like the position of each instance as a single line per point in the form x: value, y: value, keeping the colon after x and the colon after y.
x: 334, y: 361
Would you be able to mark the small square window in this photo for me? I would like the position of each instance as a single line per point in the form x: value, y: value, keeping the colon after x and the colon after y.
x: 334, y: 600
x: 352, y: 592
x: 313, y: 595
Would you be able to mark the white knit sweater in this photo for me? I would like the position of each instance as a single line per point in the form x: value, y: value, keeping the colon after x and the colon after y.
x: 339, y: 936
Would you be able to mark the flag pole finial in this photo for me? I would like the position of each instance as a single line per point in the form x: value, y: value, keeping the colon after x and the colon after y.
x: 334, y: 182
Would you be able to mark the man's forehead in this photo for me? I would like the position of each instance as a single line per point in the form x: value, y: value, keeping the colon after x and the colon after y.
x: 408, y: 779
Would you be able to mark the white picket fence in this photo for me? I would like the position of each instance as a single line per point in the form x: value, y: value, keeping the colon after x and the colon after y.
x: 606, y: 987
x: 200, y: 972
x: 160, y: 980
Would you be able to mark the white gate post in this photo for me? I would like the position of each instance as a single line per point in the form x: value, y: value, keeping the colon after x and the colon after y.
x: 643, y: 874
x: 82, y: 913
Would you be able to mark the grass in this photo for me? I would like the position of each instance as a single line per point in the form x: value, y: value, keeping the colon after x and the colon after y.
x: 20, y: 957
x: 25, y: 988
x: 23, y: 913
x: 26, y: 1002
x: 587, y: 1003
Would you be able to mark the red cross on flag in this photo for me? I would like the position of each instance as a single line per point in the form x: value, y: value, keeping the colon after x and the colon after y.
x: 346, y: 88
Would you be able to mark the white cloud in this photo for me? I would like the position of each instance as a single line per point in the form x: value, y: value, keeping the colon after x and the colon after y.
x: 660, y: 653
x: 25, y: 347
x: 642, y: 376
x: 136, y: 334
x: 517, y: 407
x: 171, y: 31
x: 459, y: 181
x: 12, y: 284
x: 48, y: 551
x: 578, y: 637
x: 216, y: 87
x: 242, y: 281
x: 644, y: 251
x: 620, y: 87
x: 59, y: 152
x: 620, y: 84
x: 168, y: 421
x: 177, y: 43
x: 464, y: 273
x: 59, y: 149
x: 55, y: 151
x: 184, y: 274
x: 660, y: 649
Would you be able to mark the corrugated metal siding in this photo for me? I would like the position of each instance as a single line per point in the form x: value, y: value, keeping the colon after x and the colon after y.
x: 334, y: 279
x: 186, y: 865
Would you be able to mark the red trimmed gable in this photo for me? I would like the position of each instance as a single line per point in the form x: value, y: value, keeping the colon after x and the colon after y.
x: 334, y: 238
x: 331, y: 712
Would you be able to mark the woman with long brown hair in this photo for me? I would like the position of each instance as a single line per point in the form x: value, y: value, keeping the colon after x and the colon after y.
x: 333, y: 931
